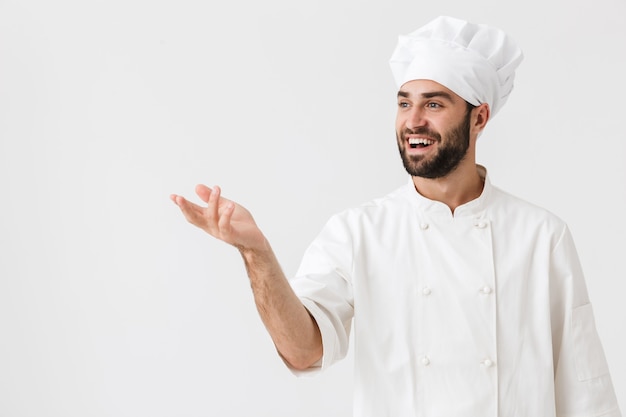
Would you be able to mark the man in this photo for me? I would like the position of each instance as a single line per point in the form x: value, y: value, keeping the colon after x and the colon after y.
x: 466, y: 301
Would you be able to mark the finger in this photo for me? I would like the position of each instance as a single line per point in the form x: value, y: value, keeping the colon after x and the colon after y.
x: 213, y: 203
x: 203, y: 192
x: 224, y: 222
x: 192, y: 212
x: 177, y: 199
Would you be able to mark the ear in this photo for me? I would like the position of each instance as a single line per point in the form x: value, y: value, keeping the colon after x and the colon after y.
x: 480, y: 117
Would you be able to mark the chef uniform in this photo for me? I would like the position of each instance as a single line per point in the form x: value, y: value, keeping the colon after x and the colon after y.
x: 478, y: 313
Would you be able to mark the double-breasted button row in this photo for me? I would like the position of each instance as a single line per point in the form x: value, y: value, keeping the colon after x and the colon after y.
x: 486, y: 290
x: 487, y: 363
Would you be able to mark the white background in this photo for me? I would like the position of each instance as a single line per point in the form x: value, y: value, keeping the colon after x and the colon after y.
x: 112, y: 305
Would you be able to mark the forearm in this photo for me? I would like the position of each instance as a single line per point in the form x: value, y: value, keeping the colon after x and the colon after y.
x: 294, y: 332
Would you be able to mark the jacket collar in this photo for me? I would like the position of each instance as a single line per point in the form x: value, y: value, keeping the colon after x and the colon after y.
x: 471, y: 208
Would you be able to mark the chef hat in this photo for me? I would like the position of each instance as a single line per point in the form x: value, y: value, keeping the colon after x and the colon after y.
x: 477, y: 62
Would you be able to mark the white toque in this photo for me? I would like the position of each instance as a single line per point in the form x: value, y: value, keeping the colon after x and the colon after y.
x: 475, y: 61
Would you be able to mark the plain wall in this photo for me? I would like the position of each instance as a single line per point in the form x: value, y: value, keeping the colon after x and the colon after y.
x: 112, y: 305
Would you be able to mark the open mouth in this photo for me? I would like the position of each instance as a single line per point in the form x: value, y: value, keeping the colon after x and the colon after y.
x: 415, y: 143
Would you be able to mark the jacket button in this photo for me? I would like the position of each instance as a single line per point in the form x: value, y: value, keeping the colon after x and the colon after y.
x: 426, y: 291
x: 486, y: 290
x: 487, y: 363
x: 425, y: 361
x: 423, y: 226
x: 481, y: 224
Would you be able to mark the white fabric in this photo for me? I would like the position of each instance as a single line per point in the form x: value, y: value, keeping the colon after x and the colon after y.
x: 484, y: 313
x: 477, y: 62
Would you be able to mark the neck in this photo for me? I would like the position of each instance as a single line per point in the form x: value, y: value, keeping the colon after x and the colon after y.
x: 461, y: 186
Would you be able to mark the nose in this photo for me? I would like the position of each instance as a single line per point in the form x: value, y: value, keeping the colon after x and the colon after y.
x: 415, y: 118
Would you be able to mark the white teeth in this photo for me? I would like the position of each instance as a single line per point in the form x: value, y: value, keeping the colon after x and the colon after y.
x: 420, y: 141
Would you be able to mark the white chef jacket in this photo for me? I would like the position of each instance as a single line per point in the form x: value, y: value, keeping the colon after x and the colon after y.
x: 480, y: 313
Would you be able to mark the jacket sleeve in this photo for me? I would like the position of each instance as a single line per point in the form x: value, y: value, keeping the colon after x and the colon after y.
x: 582, y: 381
x: 324, y: 285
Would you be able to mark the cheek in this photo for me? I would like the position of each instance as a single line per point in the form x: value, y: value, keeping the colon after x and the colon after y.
x: 399, y: 123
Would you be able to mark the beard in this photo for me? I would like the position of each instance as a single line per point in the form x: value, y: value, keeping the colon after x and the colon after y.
x: 448, y: 156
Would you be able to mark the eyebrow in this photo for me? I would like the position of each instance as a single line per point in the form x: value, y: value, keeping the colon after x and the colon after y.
x: 430, y: 94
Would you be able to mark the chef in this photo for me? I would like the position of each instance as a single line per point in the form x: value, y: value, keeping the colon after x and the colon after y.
x: 463, y: 300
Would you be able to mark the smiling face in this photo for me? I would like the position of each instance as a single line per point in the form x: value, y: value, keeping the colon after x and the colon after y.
x: 433, y: 128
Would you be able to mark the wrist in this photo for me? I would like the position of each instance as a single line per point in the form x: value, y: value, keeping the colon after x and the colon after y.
x: 259, y: 250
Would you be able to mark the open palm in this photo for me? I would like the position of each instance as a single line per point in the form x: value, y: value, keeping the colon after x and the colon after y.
x: 222, y: 218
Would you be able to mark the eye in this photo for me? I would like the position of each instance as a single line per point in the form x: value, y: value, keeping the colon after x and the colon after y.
x: 403, y: 104
x: 433, y: 105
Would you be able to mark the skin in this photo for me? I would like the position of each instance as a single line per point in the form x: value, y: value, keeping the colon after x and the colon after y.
x: 425, y: 104
x: 422, y: 104
x: 294, y: 332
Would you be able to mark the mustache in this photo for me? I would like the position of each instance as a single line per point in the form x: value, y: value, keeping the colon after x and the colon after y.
x: 423, y: 131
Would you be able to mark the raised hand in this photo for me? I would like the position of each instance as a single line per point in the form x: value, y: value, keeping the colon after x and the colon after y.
x: 294, y: 331
x: 222, y: 219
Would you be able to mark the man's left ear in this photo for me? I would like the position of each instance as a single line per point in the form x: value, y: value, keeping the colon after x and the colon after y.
x: 481, y: 116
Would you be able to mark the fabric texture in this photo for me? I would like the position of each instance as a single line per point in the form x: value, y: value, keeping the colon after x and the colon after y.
x: 477, y: 62
x: 480, y: 313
